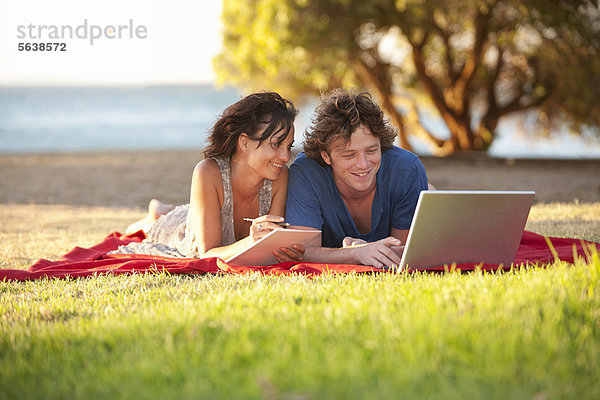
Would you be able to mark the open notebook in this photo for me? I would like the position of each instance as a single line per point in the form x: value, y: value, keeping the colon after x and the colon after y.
x: 261, y: 252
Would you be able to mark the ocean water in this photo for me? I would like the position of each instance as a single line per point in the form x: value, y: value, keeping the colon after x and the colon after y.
x: 63, y: 119
x: 56, y: 119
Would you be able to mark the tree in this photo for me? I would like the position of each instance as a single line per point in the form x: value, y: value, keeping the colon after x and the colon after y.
x: 472, y: 62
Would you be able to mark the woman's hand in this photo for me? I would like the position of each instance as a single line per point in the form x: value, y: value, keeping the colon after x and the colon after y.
x: 294, y: 253
x: 263, y: 225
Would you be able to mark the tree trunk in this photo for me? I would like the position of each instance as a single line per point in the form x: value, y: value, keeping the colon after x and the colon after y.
x: 457, y: 120
x: 375, y: 80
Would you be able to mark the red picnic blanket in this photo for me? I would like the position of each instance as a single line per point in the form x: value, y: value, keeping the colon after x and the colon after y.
x: 80, y: 262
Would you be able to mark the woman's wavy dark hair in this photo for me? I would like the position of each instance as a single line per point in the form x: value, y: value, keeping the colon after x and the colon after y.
x: 338, y: 115
x: 250, y: 115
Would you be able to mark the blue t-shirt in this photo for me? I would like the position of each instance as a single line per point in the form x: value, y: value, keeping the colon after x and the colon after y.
x: 313, y: 199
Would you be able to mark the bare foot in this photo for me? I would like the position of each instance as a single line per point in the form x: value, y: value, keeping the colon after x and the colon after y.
x: 141, y: 225
x: 156, y: 208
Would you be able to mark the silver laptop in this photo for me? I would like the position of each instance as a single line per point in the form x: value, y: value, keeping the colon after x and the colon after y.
x: 466, y: 227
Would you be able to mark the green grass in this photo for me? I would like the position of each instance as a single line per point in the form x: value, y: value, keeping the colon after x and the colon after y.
x: 524, y: 334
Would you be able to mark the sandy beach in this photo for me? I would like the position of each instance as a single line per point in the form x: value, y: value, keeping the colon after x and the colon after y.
x: 130, y: 179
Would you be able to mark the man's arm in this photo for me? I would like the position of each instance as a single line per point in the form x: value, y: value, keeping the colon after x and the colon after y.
x: 405, y: 198
x: 382, y: 253
x: 302, y: 205
x: 401, y: 234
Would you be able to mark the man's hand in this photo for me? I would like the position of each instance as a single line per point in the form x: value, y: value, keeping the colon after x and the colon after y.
x: 382, y: 253
x: 350, y: 241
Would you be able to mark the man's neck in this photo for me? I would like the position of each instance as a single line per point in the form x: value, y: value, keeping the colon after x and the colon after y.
x: 359, y: 204
x: 351, y: 195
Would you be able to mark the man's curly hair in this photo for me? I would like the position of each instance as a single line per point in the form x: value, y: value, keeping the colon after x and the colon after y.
x: 338, y: 115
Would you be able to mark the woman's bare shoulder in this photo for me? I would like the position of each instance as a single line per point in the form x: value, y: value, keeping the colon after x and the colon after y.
x: 206, y: 181
x: 207, y: 169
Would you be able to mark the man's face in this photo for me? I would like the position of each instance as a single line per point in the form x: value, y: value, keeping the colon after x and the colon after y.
x: 355, y: 164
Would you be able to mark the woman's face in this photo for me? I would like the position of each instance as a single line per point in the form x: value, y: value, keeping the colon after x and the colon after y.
x: 269, y: 158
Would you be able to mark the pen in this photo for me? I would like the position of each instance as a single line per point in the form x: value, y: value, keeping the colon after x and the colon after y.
x: 282, y: 224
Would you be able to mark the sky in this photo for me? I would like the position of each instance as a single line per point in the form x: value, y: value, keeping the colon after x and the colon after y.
x: 171, y: 42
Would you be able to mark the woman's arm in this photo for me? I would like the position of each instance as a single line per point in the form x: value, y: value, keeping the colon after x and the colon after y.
x: 206, y: 198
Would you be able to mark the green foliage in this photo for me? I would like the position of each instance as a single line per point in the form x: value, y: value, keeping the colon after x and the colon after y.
x: 260, y: 50
x: 472, y: 62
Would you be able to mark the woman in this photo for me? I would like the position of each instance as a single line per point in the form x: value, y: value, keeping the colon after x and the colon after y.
x: 242, y: 176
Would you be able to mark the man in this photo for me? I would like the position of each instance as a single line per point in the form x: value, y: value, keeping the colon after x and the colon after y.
x: 353, y: 184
